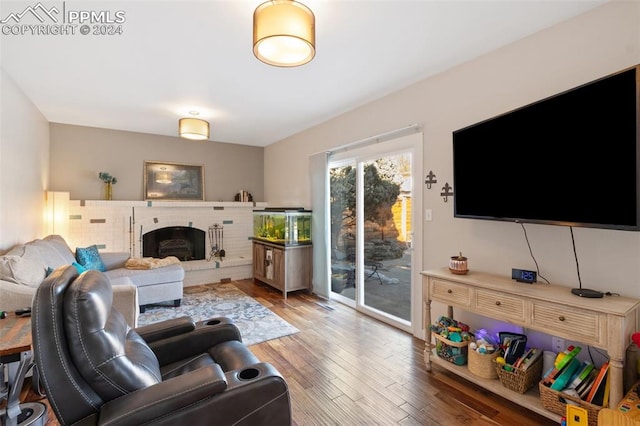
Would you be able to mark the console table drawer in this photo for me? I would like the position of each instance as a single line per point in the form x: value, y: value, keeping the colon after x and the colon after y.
x: 581, y: 325
x: 495, y: 303
x: 452, y: 293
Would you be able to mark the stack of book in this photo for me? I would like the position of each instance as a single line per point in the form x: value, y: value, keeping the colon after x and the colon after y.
x: 528, y: 359
x: 579, y: 378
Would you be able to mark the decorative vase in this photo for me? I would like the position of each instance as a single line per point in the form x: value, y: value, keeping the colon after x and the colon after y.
x: 338, y: 282
x: 108, y: 191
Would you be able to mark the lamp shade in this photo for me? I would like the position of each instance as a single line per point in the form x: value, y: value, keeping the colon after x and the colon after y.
x: 284, y: 33
x: 57, y: 213
x: 193, y: 128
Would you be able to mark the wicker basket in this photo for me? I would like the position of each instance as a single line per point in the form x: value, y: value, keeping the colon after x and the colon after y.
x: 519, y: 380
x: 554, y: 401
x: 482, y: 365
x: 454, y: 352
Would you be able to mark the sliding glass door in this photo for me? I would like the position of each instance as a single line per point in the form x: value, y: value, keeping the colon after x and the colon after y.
x: 372, y: 257
x: 342, y: 181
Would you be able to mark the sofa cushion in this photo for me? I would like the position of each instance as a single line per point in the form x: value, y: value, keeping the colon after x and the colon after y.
x: 27, y: 251
x: 61, y: 246
x: 145, y: 277
x: 89, y: 257
x: 21, y: 270
x: 50, y: 255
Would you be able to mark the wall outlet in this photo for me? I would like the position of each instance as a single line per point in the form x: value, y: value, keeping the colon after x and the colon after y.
x: 557, y: 345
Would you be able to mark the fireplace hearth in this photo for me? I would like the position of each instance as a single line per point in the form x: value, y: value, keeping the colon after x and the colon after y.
x: 183, y: 242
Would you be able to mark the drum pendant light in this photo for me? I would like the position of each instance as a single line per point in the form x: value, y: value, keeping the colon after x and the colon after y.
x: 284, y: 33
x: 193, y: 128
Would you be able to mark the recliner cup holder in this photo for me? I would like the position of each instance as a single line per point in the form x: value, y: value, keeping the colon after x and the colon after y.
x: 248, y: 374
x: 212, y: 322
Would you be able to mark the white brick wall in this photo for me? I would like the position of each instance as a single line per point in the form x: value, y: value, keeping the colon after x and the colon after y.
x: 117, y: 226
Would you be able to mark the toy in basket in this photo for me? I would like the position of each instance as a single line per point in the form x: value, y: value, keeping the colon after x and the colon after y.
x: 482, y: 352
x: 522, y: 376
x: 556, y: 402
x: 452, y: 340
x: 575, y: 382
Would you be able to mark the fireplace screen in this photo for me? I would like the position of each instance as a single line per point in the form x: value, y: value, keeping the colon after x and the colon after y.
x: 180, y: 241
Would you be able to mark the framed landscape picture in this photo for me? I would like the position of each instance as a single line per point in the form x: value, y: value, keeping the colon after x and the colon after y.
x: 173, y: 181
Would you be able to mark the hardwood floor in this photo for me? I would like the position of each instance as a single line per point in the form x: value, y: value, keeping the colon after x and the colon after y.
x: 344, y: 368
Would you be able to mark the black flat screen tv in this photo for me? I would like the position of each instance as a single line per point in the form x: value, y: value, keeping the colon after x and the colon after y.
x: 570, y: 159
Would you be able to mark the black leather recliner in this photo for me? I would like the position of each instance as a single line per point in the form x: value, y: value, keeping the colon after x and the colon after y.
x: 97, y: 370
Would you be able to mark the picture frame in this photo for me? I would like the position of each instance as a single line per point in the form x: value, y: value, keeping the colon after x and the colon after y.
x: 173, y: 181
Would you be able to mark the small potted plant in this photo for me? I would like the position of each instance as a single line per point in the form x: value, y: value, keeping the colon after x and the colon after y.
x: 109, y: 182
x: 338, y: 282
x: 458, y: 264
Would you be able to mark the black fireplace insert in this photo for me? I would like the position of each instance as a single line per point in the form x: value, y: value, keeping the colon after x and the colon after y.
x: 183, y: 242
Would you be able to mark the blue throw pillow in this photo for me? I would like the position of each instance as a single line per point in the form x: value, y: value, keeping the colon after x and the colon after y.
x: 79, y: 267
x: 76, y: 265
x: 90, y: 258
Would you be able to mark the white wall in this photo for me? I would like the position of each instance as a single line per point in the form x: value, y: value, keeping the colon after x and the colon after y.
x: 24, y: 166
x: 600, y: 42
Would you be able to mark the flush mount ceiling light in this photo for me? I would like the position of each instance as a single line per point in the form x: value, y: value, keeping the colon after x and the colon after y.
x: 193, y: 128
x: 284, y: 33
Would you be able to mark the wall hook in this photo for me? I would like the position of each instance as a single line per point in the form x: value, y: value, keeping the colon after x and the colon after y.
x: 447, y: 191
x: 430, y: 179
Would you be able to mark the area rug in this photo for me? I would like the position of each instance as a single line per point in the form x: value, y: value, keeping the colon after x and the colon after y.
x: 256, y: 322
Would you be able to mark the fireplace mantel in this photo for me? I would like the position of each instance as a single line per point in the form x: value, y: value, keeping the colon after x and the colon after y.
x: 155, y: 203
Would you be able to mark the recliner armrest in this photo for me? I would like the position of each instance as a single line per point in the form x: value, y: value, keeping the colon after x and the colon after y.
x: 156, y: 401
x: 198, y: 341
x: 165, y: 329
x: 125, y: 300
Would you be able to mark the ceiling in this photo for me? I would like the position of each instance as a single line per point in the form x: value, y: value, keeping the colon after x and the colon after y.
x: 177, y: 56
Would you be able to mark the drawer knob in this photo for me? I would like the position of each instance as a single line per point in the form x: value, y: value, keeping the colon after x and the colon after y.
x: 497, y: 303
x: 449, y: 291
x: 561, y: 318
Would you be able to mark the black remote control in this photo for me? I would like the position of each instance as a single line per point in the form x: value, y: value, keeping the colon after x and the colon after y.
x: 24, y: 312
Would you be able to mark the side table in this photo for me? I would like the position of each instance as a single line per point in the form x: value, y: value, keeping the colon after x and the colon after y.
x: 15, y: 362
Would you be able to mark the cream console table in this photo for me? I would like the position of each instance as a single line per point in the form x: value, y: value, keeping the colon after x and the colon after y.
x: 605, y: 323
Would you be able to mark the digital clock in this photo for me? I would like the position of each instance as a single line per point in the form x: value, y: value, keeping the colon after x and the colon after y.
x: 523, y: 275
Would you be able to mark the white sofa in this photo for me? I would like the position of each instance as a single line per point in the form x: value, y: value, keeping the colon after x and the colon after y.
x: 24, y: 267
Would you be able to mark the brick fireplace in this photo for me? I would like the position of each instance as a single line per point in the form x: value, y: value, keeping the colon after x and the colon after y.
x: 130, y: 225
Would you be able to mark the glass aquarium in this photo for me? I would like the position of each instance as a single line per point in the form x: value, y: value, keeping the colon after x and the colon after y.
x: 287, y: 226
